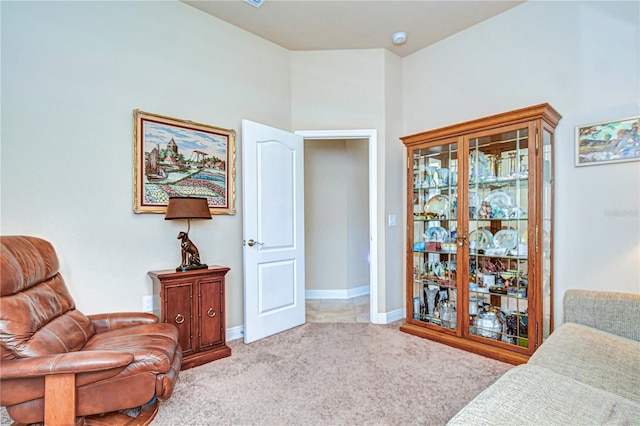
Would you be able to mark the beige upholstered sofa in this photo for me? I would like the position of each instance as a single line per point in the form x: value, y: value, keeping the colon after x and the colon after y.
x: 586, y: 373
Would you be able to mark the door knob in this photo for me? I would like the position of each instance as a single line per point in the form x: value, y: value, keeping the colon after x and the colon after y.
x: 252, y: 243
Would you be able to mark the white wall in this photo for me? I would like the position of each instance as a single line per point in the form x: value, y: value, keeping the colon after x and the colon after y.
x: 357, y: 214
x: 72, y: 73
x: 337, y: 89
x: 325, y: 224
x: 395, y: 190
x: 348, y: 89
x: 584, y: 59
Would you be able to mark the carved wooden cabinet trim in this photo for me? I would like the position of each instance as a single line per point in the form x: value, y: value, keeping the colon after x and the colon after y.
x: 194, y: 301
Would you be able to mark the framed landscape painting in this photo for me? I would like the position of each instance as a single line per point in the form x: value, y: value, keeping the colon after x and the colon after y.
x: 608, y: 142
x: 175, y: 157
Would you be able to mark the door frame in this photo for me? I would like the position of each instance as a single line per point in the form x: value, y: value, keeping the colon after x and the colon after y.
x: 372, y: 136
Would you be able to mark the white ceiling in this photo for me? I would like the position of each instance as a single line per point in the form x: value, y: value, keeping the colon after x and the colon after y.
x: 354, y: 24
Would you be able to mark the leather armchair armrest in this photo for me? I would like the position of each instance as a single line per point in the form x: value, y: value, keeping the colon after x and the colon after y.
x: 70, y: 362
x: 59, y: 373
x: 106, y: 322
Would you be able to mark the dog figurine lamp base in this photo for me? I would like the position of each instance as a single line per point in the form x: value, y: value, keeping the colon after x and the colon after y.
x: 190, y: 253
x: 188, y: 208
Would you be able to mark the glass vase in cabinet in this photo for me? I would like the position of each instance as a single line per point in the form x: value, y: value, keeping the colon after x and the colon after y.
x: 479, y: 253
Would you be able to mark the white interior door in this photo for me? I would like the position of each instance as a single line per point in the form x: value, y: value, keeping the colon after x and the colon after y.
x: 273, y: 222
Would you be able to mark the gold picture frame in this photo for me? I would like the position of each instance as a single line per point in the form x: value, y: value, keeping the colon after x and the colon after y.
x: 174, y: 157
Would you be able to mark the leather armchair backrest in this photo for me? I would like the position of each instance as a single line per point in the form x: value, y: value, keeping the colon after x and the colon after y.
x: 37, y: 314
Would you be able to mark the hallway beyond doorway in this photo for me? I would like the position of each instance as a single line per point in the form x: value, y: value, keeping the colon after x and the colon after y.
x: 371, y: 135
x: 355, y: 309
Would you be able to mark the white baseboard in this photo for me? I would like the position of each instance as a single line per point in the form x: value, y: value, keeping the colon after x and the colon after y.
x: 235, y: 333
x: 393, y: 316
x: 337, y: 294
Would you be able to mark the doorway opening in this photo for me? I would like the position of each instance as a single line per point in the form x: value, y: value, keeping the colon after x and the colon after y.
x: 340, y: 225
x: 336, y: 182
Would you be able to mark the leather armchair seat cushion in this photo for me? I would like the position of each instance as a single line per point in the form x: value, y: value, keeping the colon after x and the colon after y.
x: 152, y: 345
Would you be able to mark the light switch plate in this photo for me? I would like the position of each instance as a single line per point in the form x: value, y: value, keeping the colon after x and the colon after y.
x: 393, y: 220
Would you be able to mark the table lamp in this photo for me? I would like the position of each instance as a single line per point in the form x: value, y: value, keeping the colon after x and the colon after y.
x: 188, y: 208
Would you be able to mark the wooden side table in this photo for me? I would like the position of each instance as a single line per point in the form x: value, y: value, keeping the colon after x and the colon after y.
x: 194, y: 302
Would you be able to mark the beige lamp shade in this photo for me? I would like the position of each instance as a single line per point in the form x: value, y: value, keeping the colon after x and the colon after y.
x: 187, y: 208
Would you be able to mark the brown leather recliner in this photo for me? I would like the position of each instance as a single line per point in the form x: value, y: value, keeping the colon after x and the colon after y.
x: 56, y: 363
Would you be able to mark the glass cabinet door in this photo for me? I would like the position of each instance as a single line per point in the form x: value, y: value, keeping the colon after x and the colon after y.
x: 497, y: 219
x: 435, y: 200
x: 547, y: 231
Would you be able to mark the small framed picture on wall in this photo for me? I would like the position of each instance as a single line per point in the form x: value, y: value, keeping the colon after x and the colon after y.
x: 608, y: 142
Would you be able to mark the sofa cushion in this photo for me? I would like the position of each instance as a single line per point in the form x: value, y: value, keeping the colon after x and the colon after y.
x: 594, y: 357
x: 533, y: 395
x: 616, y: 313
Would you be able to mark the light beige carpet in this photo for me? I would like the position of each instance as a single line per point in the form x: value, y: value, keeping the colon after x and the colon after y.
x: 331, y: 374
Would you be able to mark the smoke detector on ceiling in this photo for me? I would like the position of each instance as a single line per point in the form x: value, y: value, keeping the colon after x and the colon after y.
x: 398, y: 38
x: 255, y: 3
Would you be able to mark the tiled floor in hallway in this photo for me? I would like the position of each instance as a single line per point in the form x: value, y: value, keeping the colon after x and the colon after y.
x: 338, y: 310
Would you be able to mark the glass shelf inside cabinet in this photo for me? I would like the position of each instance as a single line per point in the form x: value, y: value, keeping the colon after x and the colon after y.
x: 498, y: 237
x: 435, y: 200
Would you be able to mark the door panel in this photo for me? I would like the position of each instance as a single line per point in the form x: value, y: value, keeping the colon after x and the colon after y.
x: 276, y: 204
x: 276, y: 286
x: 209, y: 313
x: 179, y: 313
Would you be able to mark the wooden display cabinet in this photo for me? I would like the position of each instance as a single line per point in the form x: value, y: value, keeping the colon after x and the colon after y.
x: 480, y: 233
x: 194, y: 302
